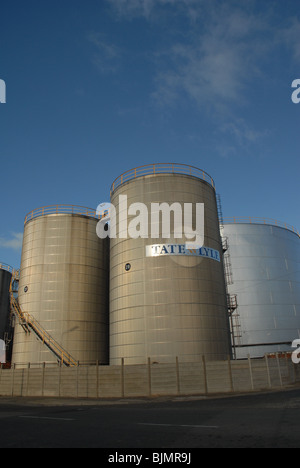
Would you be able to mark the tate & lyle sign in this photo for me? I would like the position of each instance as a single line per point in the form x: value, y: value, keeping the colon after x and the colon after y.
x: 161, y: 250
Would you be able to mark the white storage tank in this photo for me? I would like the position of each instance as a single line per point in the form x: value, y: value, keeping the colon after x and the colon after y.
x: 263, y: 270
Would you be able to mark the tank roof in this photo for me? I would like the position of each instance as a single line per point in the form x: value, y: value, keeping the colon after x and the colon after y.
x: 62, y: 209
x: 162, y: 168
x: 266, y: 221
x: 5, y: 267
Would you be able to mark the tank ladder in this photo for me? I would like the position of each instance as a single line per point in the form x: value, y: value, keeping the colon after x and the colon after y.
x: 220, y: 211
x: 29, y: 324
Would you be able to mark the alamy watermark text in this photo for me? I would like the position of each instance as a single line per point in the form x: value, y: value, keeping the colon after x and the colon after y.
x: 2, y: 92
x: 178, y: 221
x: 296, y: 93
x: 296, y: 353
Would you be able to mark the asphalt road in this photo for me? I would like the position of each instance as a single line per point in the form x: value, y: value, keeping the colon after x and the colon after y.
x: 255, y: 421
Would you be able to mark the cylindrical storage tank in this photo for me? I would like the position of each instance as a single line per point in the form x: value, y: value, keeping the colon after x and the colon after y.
x: 263, y: 271
x: 64, y: 286
x: 164, y: 305
x: 5, y: 323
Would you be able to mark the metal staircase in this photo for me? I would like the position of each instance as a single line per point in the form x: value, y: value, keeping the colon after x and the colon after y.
x: 29, y: 324
x: 235, y: 325
x: 232, y: 302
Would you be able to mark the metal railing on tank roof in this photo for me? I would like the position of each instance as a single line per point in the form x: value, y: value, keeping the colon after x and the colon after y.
x: 256, y: 220
x: 5, y: 267
x: 63, y: 209
x: 167, y: 168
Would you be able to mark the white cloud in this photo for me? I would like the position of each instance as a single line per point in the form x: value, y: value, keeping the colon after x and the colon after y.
x: 107, y: 56
x: 291, y: 36
x: 217, y: 61
x: 152, y: 8
x: 222, y: 48
x: 213, y: 55
x: 210, y: 51
x: 133, y: 8
x: 238, y: 136
x: 14, y: 243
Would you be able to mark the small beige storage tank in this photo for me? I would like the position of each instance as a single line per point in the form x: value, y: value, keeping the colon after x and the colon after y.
x: 64, y: 285
x: 167, y: 306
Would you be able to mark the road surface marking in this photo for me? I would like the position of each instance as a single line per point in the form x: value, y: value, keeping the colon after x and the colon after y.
x: 179, y: 425
x: 44, y: 417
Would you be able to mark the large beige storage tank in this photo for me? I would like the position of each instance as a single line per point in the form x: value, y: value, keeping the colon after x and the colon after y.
x: 64, y: 285
x: 167, y: 306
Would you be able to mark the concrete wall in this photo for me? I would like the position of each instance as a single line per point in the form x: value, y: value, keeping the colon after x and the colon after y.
x: 202, y: 378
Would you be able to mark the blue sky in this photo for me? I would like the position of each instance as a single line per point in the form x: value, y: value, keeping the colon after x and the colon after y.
x: 98, y: 87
